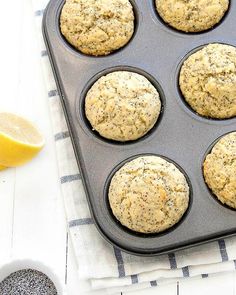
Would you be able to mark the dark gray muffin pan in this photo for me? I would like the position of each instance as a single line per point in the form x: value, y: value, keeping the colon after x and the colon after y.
x: 157, y: 52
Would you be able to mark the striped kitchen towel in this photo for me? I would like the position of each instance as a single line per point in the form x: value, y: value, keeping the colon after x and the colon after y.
x: 101, y: 267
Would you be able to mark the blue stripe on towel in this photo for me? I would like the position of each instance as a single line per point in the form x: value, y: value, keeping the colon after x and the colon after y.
x: 70, y: 178
x: 172, y: 260
x: 52, y: 93
x: 82, y: 221
x: 223, y: 251
x: 134, y: 279
x: 153, y: 283
x: 44, y: 53
x: 120, y: 262
x: 185, y: 271
x: 39, y: 12
x: 62, y: 135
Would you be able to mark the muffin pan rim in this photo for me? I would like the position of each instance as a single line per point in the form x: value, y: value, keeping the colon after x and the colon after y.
x: 135, y: 250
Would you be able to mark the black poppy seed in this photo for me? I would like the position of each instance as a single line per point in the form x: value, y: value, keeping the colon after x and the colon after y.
x: 27, y: 282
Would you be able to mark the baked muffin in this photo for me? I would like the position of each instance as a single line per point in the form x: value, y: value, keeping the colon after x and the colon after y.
x: 208, y: 81
x: 97, y: 27
x: 149, y: 194
x: 192, y: 15
x: 220, y: 170
x: 122, y: 106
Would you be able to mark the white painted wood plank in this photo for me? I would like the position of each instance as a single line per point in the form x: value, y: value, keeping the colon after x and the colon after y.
x: 39, y: 230
x: 7, y: 182
x: 10, y: 31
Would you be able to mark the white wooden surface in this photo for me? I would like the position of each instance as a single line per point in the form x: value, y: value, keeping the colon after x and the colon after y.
x: 32, y: 221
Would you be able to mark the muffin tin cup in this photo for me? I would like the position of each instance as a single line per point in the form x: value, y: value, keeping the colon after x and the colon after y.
x: 80, y: 103
x: 209, y: 150
x: 184, y: 103
x: 156, y: 51
x: 138, y: 234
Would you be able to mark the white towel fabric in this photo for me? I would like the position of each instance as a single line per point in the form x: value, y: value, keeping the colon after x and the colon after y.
x: 101, y: 266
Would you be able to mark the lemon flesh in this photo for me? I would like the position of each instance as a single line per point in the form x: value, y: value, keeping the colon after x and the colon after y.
x: 20, y: 140
x: 2, y: 168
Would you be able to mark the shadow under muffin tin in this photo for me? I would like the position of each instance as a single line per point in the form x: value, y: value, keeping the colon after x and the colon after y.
x: 157, y: 52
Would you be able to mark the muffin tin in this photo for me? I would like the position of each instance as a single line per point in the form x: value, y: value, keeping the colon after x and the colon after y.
x: 156, y: 51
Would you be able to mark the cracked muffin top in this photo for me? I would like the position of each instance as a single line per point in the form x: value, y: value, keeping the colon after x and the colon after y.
x: 192, y: 15
x: 220, y: 170
x: 208, y: 81
x: 122, y: 106
x: 149, y: 194
x: 97, y: 27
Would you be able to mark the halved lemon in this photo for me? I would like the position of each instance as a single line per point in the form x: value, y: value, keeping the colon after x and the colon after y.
x: 20, y: 140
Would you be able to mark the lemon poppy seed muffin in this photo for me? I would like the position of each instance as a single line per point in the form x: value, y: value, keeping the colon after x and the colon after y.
x: 220, y: 170
x: 122, y: 106
x: 97, y: 27
x: 208, y: 81
x: 148, y: 194
x: 192, y: 15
